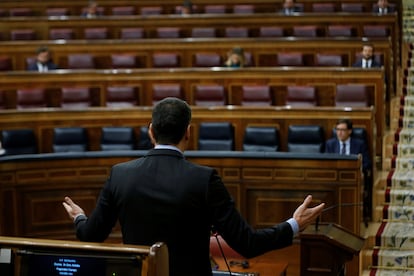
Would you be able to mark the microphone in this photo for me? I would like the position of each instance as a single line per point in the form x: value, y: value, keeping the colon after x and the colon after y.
x: 332, y: 207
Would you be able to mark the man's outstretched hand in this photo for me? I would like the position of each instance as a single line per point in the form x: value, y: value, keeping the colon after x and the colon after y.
x: 72, y: 208
x: 304, y: 215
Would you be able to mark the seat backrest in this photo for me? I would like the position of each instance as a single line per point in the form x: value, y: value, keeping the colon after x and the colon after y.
x: 123, y: 10
x: 144, y: 142
x: 341, y: 30
x: 352, y: 7
x: 216, y: 136
x: 375, y: 31
x: 218, y: 9
x: 81, y: 61
x: 70, y: 139
x: 96, y: 33
x: 76, y: 97
x: 353, y: 95
x: 5, y: 63
x: 290, y: 59
x: 328, y: 60
x: 168, y: 32
x: 19, y: 141
x: 164, y: 90
x: 61, y: 33
x: 305, y: 31
x: 31, y: 98
x: 123, y: 61
x: 23, y: 34
x: 209, y: 95
x: 156, y: 10
x: 301, y: 96
x: 323, y: 7
x: 256, y: 95
x: 21, y: 12
x: 203, y: 32
x: 243, y: 8
x: 236, y: 32
x: 165, y: 60
x: 117, y: 138
x: 57, y: 11
x: 271, y: 31
x: 132, y: 33
x: 121, y: 96
x: 207, y: 60
x: 261, y: 138
x: 305, y: 138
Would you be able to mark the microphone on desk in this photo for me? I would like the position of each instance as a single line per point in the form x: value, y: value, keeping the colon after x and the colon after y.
x: 332, y: 207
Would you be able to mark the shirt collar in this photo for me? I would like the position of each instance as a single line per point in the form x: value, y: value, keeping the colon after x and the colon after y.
x: 167, y: 147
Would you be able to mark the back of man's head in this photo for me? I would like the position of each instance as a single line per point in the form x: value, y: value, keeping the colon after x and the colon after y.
x: 170, y: 119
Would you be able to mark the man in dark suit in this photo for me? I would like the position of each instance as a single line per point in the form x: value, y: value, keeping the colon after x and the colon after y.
x: 383, y: 7
x: 43, y: 62
x: 367, y: 59
x: 163, y: 197
x: 289, y: 7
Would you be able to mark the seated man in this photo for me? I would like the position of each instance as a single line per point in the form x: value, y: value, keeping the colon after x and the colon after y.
x: 289, y: 7
x: 383, y: 7
x: 367, y: 58
x: 344, y: 143
x: 43, y: 62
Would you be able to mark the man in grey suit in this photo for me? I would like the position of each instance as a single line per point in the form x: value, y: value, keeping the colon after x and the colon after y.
x: 162, y: 197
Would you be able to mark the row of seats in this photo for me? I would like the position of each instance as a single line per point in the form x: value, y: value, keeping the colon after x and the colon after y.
x: 352, y: 95
x: 199, y: 32
x: 202, y: 59
x: 215, y: 9
x: 216, y: 136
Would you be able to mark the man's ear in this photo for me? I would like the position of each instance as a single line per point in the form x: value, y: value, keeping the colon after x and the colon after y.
x: 151, y: 134
x: 187, y: 133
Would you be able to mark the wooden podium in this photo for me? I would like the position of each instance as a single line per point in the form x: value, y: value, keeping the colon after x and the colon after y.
x: 324, y: 251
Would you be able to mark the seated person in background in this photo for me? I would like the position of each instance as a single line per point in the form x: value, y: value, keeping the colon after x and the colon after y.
x: 43, y: 62
x: 289, y: 7
x: 343, y: 143
x: 187, y: 7
x: 367, y: 58
x: 235, y: 58
x: 91, y: 10
x: 162, y: 197
x: 383, y: 7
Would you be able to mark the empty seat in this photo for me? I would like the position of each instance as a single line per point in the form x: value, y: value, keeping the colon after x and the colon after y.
x: 5, y: 63
x: 218, y: 9
x: 117, y: 138
x: 151, y: 10
x: 144, y: 141
x: 243, y: 9
x: 328, y: 60
x: 81, y: 61
x: 305, y: 138
x: 132, y: 33
x: 236, y: 32
x: 353, y: 95
x: 61, y: 33
x: 31, y: 98
x: 76, y: 97
x: 120, y: 61
x: 168, y: 32
x: 121, y: 96
x: 23, y: 34
x: 96, y: 33
x: 21, y: 12
x: 209, y: 95
x: 305, y: 31
x: 256, y: 95
x: 19, y: 141
x: 261, y: 139
x: 271, y: 31
x: 216, y: 136
x: 323, y: 7
x: 375, y: 31
x: 207, y: 60
x: 352, y: 7
x: 341, y: 30
x: 290, y: 59
x: 164, y: 90
x: 165, y: 60
x: 70, y: 139
x: 203, y: 32
x: 123, y: 10
x: 57, y: 12
x: 301, y: 96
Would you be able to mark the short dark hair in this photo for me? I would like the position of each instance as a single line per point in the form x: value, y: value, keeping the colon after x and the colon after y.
x: 170, y: 119
x: 42, y: 49
x: 348, y: 123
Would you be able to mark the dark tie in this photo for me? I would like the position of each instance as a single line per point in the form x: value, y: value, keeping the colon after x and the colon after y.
x: 343, y: 150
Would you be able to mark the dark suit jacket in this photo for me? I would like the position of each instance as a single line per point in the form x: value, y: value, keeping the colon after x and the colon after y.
x: 50, y: 66
x: 163, y: 197
x: 289, y: 11
x: 374, y: 63
x: 358, y: 146
x: 390, y: 9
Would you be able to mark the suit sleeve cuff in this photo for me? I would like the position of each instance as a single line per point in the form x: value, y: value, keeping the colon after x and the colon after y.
x: 79, y: 217
x: 295, y: 226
